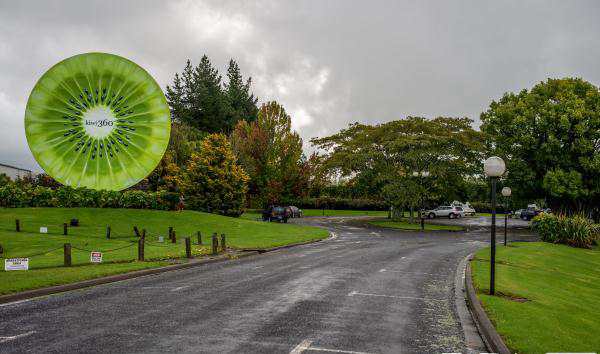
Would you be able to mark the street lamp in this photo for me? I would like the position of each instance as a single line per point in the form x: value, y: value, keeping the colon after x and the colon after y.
x: 506, y: 193
x: 493, y: 167
x: 423, y: 175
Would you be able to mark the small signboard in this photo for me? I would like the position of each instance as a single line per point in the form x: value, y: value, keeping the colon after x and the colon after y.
x: 161, y: 239
x: 16, y: 264
x: 96, y: 257
x: 43, y: 230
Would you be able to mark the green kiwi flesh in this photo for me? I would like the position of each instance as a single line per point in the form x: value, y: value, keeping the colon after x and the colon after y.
x: 97, y: 120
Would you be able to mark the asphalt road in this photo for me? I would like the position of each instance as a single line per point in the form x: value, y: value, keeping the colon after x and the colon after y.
x: 366, y: 291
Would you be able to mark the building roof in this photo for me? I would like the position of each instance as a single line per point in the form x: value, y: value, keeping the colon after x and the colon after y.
x: 16, y: 168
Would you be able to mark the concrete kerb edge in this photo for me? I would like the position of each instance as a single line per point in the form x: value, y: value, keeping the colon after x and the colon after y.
x: 488, y: 332
x: 474, y: 343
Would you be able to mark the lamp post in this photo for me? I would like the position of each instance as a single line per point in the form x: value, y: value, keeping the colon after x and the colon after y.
x: 506, y: 193
x: 493, y: 167
x: 422, y: 175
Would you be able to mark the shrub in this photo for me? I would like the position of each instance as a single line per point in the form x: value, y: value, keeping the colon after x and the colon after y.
x: 135, y: 199
x: 11, y: 196
x: 576, y: 231
x: 338, y: 203
x: 42, y: 197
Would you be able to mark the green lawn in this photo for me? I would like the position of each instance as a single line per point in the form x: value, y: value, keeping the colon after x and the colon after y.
x: 562, y: 288
x: 120, y: 251
x: 405, y: 225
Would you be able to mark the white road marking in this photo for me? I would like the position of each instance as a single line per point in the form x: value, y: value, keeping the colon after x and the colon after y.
x: 404, y: 272
x: 9, y: 338
x: 258, y: 267
x: 15, y: 302
x: 180, y: 288
x: 355, y: 293
x: 307, y: 345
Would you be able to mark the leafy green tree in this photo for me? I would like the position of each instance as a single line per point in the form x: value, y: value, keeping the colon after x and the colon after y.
x: 212, y: 180
x: 549, y: 137
x: 271, y: 153
x: 382, y: 158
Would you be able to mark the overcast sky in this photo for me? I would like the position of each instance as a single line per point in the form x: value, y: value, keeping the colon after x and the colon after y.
x: 329, y: 63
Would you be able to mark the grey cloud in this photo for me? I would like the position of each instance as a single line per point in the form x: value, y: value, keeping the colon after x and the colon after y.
x: 329, y: 62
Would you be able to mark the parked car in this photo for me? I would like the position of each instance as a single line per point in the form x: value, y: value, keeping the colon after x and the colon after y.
x: 448, y: 211
x: 518, y: 212
x: 467, y: 208
x: 531, y: 212
x: 277, y: 213
x: 295, y: 211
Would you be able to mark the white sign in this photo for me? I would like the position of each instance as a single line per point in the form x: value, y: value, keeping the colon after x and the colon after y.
x: 43, y: 230
x: 96, y: 257
x: 161, y: 239
x: 16, y: 264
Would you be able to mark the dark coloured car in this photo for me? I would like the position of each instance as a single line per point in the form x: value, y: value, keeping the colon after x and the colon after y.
x: 531, y: 212
x: 276, y: 213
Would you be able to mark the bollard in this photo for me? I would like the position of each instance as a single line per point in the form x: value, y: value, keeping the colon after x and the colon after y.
x: 199, y: 238
x: 215, y: 244
x: 141, y: 249
x: 108, y: 231
x: 188, y: 247
x: 223, y: 244
x: 67, y: 253
x: 170, y: 232
x: 173, y: 237
x: 18, y: 225
x: 65, y: 231
x: 137, y: 231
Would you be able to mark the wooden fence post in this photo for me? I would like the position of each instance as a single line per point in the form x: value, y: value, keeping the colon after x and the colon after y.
x: 141, y: 249
x: 65, y: 231
x: 188, y: 247
x: 199, y: 238
x: 143, y: 233
x: 223, y: 244
x: 108, y: 231
x: 170, y: 232
x: 18, y: 225
x: 215, y: 244
x: 67, y: 254
x: 137, y: 231
x: 173, y: 237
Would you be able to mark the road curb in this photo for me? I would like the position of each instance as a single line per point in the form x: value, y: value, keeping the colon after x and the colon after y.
x: 29, y: 294
x: 488, y: 332
x: 474, y: 343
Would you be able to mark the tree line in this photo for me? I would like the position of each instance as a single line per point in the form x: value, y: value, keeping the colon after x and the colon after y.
x: 228, y: 152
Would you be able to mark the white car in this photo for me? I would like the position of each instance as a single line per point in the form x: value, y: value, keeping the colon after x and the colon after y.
x: 446, y: 211
x: 467, y: 208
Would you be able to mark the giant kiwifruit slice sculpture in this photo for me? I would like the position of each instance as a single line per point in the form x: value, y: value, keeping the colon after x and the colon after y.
x: 97, y: 120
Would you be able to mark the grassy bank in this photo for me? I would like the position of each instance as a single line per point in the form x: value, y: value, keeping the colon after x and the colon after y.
x: 46, y: 252
x: 548, y: 296
x: 405, y: 225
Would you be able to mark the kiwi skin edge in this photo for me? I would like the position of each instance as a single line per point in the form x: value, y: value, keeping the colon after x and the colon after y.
x: 97, y: 120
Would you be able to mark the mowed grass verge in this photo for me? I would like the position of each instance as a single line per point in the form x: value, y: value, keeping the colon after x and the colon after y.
x: 120, y: 251
x: 548, y: 296
x: 405, y: 225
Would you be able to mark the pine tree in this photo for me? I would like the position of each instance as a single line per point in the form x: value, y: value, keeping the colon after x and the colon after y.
x: 241, y: 102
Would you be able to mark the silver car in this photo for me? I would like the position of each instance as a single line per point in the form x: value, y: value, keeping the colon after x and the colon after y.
x: 446, y: 211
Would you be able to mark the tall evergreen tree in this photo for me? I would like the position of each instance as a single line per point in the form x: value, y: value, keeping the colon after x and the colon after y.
x: 199, y: 98
x: 241, y: 102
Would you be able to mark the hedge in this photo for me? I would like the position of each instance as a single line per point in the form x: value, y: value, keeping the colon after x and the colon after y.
x: 576, y: 231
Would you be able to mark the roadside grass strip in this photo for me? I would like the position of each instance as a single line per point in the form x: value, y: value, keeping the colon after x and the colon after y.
x: 405, y: 225
x: 119, y: 253
x: 548, y: 296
